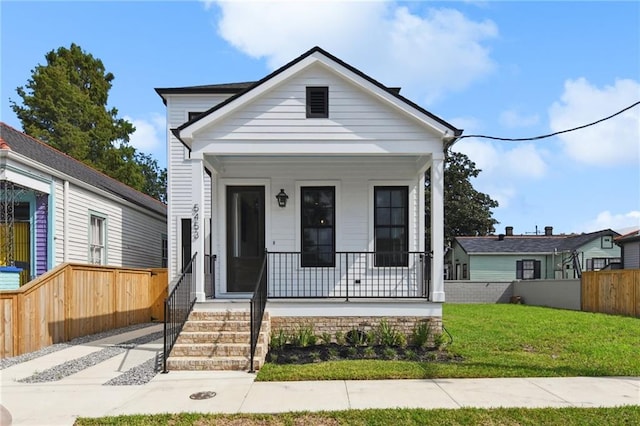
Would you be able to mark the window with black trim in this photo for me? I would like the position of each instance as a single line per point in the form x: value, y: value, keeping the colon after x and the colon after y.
x: 598, y: 263
x: 317, y: 102
x: 318, y: 225
x: 391, y: 225
x: 528, y: 269
x: 606, y: 241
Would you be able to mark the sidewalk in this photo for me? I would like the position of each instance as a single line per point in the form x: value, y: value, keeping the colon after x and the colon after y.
x: 83, y: 394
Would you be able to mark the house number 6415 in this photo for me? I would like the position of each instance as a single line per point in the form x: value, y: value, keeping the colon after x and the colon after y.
x: 195, y: 227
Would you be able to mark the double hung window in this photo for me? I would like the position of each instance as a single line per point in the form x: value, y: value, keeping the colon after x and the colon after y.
x: 97, y: 239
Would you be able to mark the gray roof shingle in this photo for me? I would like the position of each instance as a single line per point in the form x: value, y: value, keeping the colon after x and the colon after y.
x: 42, y: 153
x: 528, y: 244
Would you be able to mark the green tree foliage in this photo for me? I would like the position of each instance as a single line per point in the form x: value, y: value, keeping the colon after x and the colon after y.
x: 466, y: 210
x: 64, y: 104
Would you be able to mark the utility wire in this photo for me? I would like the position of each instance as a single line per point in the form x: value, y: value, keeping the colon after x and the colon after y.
x: 550, y: 134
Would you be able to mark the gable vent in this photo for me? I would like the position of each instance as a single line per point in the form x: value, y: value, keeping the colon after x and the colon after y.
x: 317, y: 102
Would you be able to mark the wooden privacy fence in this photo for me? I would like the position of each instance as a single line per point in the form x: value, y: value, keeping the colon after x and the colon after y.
x: 612, y: 292
x: 75, y: 300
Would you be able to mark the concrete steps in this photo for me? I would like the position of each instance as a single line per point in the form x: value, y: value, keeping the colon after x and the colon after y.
x: 218, y: 340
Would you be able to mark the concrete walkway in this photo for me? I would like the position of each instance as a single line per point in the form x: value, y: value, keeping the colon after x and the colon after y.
x: 83, y: 393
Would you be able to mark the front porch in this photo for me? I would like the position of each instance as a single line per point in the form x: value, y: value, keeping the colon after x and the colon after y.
x: 351, y: 275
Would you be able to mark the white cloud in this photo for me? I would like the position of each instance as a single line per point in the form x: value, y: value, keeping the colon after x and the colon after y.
x: 615, y: 221
x: 513, y: 118
x: 611, y: 142
x: 499, y: 162
x: 392, y: 44
x: 150, y: 133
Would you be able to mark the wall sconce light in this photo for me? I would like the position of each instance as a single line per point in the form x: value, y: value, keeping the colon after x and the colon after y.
x: 282, y: 198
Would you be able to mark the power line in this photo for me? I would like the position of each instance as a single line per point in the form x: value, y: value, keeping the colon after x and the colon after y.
x: 550, y: 134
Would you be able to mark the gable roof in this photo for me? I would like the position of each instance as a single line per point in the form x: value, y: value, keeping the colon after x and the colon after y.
x: 45, y: 154
x: 394, y: 92
x: 528, y: 244
x: 628, y: 238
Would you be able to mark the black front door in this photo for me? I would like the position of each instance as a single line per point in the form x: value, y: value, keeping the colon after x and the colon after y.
x: 245, y: 237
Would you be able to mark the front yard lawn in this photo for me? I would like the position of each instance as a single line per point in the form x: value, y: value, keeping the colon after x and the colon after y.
x: 501, y: 340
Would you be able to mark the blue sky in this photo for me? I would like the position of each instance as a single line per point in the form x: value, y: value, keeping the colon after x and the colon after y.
x: 507, y: 69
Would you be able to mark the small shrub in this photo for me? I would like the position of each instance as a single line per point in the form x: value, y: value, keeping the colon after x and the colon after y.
x: 340, y: 338
x: 333, y: 353
x: 420, y: 334
x: 410, y: 355
x: 278, y: 339
x: 352, y: 352
x: 315, y: 356
x: 356, y: 337
x: 273, y: 358
x: 389, y: 353
x: 369, y: 352
x: 372, y: 338
x: 304, y: 337
x: 388, y: 335
x: 325, y: 338
x: 438, y: 340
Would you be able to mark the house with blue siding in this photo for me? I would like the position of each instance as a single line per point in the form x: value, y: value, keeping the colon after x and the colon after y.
x: 55, y: 209
x: 507, y: 256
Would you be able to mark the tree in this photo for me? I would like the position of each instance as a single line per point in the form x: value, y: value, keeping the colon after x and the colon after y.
x: 64, y: 104
x: 466, y: 210
x: 155, y: 178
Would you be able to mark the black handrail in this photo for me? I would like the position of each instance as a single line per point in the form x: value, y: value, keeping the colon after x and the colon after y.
x: 350, y: 275
x: 177, y: 308
x: 257, y: 306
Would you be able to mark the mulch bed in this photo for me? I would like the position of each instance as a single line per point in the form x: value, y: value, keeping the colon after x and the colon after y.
x: 289, y: 354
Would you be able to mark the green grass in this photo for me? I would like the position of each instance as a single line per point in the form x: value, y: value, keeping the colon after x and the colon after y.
x: 502, y: 340
x: 628, y: 415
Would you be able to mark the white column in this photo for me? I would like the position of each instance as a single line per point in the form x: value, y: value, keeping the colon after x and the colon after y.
x: 197, y: 222
x: 437, y: 227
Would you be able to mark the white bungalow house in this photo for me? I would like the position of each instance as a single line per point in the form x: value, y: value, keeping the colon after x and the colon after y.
x: 55, y: 209
x: 310, y: 180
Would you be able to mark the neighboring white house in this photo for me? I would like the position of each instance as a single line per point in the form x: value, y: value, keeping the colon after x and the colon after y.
x: 321, y: 167
x: 55, y: 209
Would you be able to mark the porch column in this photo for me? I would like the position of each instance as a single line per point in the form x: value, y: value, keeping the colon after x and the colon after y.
x: 197, y: 222
x: 437, y: 227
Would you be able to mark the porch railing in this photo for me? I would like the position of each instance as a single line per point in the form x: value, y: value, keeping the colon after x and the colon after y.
x: 350, y: 275
x: 177, y: 308
x: 257, y: 306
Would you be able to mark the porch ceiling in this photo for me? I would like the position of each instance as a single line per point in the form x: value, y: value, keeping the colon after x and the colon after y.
x: 219, y: 162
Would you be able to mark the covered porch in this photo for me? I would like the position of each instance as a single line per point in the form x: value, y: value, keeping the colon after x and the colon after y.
x: 316, y: 226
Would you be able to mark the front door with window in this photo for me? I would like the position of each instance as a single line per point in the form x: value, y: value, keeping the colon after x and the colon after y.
x: 245, y: 237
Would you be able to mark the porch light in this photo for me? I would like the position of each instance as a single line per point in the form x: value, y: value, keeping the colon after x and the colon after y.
x: 282, y: 198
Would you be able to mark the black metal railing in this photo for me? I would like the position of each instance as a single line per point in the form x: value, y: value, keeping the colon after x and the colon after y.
x: 257, y: 306
x: 210, y: 276
x: 177, y: 308
x: 350, y: 275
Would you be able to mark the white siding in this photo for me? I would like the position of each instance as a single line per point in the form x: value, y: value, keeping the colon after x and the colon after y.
x: 280, y: 114
x: 179, y: 168
x: 352, y: 178
x: 133, y: 237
